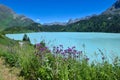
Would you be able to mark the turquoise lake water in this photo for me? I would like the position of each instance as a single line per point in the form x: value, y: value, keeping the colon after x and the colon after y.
x: 108, y: 43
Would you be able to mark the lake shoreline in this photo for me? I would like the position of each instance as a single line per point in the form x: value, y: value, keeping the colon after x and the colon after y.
x: 92, y: 41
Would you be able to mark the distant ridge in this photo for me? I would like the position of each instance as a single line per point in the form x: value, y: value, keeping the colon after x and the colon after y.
x: 107, y: 21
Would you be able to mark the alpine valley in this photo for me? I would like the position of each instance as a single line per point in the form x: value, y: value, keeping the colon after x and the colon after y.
x: 107, y: 21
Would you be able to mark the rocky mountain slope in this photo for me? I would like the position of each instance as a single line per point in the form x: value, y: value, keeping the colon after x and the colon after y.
x: 114, y: 9
x: 8, y: 18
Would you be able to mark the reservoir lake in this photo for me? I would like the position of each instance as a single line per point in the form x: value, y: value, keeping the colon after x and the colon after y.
x: 89, y: 42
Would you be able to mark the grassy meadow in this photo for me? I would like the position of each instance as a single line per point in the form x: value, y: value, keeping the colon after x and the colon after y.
x: 37, y: 62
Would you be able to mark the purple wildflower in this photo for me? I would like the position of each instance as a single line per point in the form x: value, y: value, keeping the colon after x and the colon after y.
x: 79, y: 52
x: 38, y: 45
x: 69, y: 49
x: 57, y: 51
x: 61, y: 50
x: 65, y: 51
x: 73, y: 47
x: 61, y: 46
x: 74, y: 51
x: 42, y: 49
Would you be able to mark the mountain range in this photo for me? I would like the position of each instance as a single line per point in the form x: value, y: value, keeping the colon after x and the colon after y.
x: 107, y: 21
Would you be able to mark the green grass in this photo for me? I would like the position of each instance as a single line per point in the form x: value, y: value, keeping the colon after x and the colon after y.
x: 1, y: 78
x: 6, y: 41
x: 50, y: 67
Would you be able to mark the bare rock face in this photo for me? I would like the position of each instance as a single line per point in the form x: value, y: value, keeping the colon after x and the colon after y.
x: 114, y: 9
x: 8, y: 18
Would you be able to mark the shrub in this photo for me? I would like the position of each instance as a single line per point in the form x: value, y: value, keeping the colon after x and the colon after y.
x: 26, y: 38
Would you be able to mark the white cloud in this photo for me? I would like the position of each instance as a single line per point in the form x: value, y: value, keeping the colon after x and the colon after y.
x: 38, y: 20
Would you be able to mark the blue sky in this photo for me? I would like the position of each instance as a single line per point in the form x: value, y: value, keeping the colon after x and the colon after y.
x: 46, y: 11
